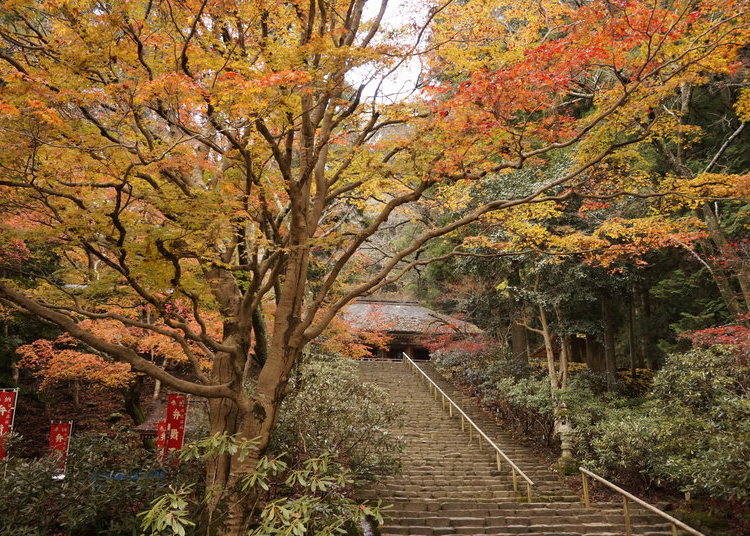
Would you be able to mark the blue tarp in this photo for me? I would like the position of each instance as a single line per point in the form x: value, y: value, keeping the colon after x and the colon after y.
x: 135, y: 475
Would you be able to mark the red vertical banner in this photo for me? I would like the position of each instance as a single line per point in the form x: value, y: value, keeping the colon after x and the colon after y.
x: 59, y: 443
x: 8, y: 400
x: 161, y: 438
x: 175, y: 420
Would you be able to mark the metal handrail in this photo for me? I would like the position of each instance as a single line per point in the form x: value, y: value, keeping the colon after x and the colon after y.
x: 585, y: 474
x: 514, y: 469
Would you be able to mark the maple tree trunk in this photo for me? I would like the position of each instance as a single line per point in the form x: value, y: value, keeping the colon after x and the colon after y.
x: 223, y: 416
x: 157, y: 383
x: 254, y: 423
x: 132, y: 400
x: 723, y: 282
x: 737, y: 306
x: 253, y: 416
x: 223, y: 471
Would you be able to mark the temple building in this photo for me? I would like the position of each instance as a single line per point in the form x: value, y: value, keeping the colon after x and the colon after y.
x: 410, y: 327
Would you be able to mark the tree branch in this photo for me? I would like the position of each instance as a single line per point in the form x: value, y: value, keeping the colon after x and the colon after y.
x: 116, y: 351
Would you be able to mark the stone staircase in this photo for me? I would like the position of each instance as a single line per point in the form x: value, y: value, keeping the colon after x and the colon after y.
x: 448, y: 486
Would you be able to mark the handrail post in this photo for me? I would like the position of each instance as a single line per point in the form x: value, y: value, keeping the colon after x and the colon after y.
x: 515, y: 480
x: 497, y: 460
x: 626, y: 510
x: 585, y: 482
x: 528, y: 491
x: 630, y: 498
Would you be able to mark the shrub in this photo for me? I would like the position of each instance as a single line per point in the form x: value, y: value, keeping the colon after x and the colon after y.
x: 331, y: 411
x: 693, y: 431
x: 100, y: 494
x: 314, y: 500
x: 313, y: 497
x: 333, y: 432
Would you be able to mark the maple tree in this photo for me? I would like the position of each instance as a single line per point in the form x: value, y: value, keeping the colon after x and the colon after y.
x: 55, y: 363
x: 736, y: 337
x: 64, y: 360
x: 238, y: 160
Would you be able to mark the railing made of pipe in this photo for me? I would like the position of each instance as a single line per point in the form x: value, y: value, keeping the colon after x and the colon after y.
x: 465, y: 419
x: 626, y: 499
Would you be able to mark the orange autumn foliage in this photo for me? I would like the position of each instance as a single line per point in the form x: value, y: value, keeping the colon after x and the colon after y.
x: 55, y: 362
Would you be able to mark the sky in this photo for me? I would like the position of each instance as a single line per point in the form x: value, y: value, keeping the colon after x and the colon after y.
x: 403, y: 16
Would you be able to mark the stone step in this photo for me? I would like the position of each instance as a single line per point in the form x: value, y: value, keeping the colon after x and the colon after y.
x: 572, y: 527
x: 515, y: 512
x: 451, y: 485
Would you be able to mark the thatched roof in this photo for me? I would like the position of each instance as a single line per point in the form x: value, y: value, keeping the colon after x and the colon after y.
x: 402, y: 316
